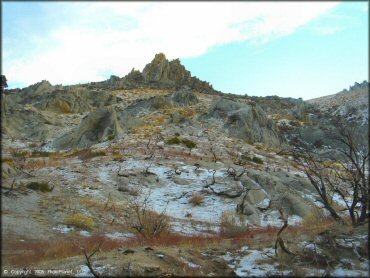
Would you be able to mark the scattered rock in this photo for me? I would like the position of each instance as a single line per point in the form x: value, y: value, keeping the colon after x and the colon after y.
x: 126, y: 251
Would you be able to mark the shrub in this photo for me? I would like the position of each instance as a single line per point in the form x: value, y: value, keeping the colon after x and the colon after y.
x: 147, y: 223
x: 173, y: 141
x: 87, y: 153
x: 188, y: 143
x: 39, y: 186
x: 257, y: 160
x: 196, y: 199
x: 40, y: 154
x: 20, y: 153
x: 250, y: 142
x: 8, y: 161
x: 98, y: 153
x: 318, y: 143
x: 232, y: 224
x: 150, y: 224
x: 110, y: 137
x: 79, y: 220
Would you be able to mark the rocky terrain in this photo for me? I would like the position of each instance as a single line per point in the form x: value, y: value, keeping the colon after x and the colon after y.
x: 351, y: 104
x: 157, y: 173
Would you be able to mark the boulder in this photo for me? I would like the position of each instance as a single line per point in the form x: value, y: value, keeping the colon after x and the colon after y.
x: 245, y: 121
x: 101, y: 125
x: 256, y: 196
x: 293, y: 204
x: 184, y: 97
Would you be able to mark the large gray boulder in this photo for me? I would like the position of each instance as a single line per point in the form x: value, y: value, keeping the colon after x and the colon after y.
x: 26, y: 123
x: 100, y: 125
x: 184, y: 97
x: 245, y: 121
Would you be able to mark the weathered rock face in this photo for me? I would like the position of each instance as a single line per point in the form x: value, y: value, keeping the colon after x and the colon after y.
x: 101, y: 125
x: 153, y: 103
x: 73, y: 99
x: 26, y: 124
x: 182, y: 97
x: 162, y: 73
x: 246, y: 122
x: 161, y: 70
x: 39, y: 88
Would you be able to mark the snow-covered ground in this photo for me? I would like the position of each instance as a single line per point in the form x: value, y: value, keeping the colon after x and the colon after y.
x: 254, y: 263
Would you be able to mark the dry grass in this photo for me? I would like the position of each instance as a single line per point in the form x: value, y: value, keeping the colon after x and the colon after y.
x: 314, y: 221
x: 196, y: 199
x: 87, y: 153
x: 8, y: 161
x: 150, y: 224
x: 232, y: 224
x: 28, y: 252
x: 79, y: 220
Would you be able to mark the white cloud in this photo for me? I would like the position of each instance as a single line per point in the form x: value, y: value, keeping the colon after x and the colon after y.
x: 114, y: 37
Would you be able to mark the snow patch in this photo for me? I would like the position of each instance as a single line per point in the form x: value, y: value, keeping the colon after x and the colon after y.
x: 120, y: 236
x: 64, y: 229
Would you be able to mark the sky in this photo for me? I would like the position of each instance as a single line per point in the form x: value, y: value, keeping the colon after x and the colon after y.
x: 289, y: 49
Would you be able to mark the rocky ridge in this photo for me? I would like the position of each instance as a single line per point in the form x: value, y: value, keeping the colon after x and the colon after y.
x: 157, y: 136
x: 353, y: 104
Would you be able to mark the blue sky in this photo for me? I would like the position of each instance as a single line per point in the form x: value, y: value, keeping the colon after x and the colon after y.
x: 290, y: 49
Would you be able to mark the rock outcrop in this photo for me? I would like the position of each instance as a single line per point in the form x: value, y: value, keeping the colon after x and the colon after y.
x: 351, y: 104
x: 68, y: 99
x: 245, y: 121
x: 75, y: 101
x: 27, y: 124
x: 101, y: 125
x: 182, y: 97
x: 164, y: 71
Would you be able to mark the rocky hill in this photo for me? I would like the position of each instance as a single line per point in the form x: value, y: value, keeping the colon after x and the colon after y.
x: 352, y: 104
x: 168, y: 176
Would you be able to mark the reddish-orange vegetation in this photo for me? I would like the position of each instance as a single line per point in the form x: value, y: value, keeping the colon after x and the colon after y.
x: 28, y: 252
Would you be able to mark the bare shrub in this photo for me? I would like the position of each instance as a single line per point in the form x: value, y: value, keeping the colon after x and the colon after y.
x: 146, y: 222
x: 196, y: 199
x: 232, y: 224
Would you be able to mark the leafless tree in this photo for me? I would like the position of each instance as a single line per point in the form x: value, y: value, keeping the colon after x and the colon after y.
x: 213, y: 151
x: 88, y: 262
x: 345, y: 178
x: 213, y: 171
x: 279, y: 240
x: 3, y: 82
x: 353, y: 173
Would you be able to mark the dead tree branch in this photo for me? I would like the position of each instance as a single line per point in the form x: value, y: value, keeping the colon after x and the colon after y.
x: 279, y: 240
